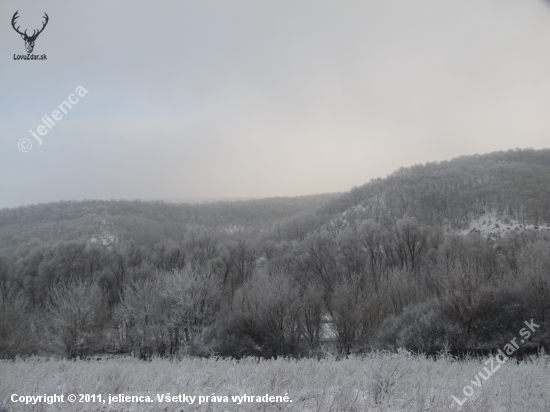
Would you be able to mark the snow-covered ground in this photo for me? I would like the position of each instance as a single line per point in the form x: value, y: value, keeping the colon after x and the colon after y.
x: 376, y: 382
x: 490, y: 224
x: 105, y: 238
x: 495, y: 225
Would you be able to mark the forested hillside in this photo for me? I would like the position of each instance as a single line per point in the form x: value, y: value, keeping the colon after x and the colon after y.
x: 386, y: 265
x: 448, y: 194
x: 143, y: 223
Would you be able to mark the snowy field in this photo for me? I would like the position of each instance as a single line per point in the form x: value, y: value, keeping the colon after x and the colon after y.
x: 378, y: 382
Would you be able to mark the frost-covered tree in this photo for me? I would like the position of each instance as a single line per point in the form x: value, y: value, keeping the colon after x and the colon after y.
x: 77, y: 317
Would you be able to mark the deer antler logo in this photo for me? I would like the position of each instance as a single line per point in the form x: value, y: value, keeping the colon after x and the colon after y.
x: 29, y: 40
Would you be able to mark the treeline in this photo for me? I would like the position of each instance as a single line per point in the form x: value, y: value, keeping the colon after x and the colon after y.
x: 370, y: 287
x: 144, y: 223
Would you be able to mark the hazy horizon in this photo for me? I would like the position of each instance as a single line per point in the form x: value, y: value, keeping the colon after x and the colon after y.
x: 250, y: 100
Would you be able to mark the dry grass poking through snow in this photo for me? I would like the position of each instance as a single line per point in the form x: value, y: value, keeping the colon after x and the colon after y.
x: 378, y: 382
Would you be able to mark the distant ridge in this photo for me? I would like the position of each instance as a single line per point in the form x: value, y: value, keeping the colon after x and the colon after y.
x: 202, y: 200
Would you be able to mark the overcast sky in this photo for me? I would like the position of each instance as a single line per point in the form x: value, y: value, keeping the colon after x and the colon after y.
x: 257, y: 98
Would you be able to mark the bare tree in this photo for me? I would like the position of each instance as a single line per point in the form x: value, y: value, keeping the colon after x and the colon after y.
x: 347, y: 309
x: 464, y: 293
x: 535, y: 269
x: 77, y: 316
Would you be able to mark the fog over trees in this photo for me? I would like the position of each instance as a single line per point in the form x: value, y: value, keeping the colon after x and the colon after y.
x: 393, y: 263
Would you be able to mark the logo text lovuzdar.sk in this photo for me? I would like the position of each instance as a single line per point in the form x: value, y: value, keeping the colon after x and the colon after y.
x: 29, y: 39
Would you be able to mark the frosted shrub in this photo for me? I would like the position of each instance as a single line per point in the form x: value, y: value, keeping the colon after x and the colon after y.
x: 422, y: 328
